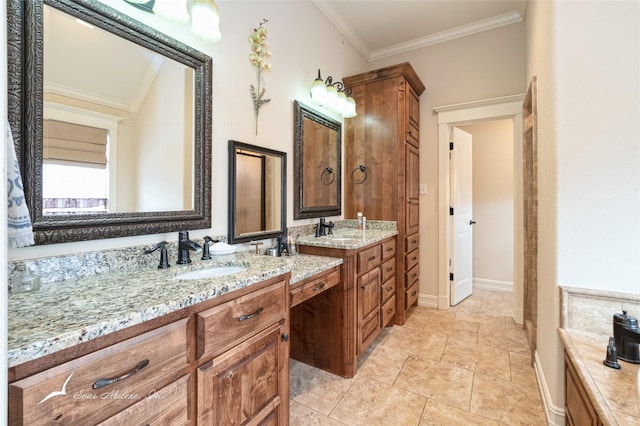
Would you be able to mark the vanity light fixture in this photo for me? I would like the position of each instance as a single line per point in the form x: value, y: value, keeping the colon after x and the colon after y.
x: 333, y: 95
x: 205, y: 15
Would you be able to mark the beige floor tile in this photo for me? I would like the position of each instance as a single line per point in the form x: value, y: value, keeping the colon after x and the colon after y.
x: 479, y: 358
x: 521, y: 369
x: 370, y: 402
x: 461, y: 329
x: 300, y: 415
x: 506, y: 402
x: 509, y: 338
x: 382, y: 363
x: 437, y: 413
x: 427, y: 343
x: 443, y: 382
x: 316, y: 389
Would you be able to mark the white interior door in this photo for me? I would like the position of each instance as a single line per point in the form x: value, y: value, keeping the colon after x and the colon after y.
x: 461, y: 256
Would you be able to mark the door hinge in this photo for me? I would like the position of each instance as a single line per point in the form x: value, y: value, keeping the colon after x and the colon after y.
x: 450, y: 146
x: 450, y: 276
x: 450, y: 211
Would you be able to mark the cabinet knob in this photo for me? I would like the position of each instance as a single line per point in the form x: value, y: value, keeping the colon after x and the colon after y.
x: 285, y: 337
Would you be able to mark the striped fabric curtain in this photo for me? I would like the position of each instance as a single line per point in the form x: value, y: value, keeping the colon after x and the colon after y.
x: 74, y: 143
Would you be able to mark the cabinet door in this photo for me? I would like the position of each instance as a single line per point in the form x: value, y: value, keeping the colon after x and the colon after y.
x: 247, y: 385
x: 412, y: 189
x: 368, y: 308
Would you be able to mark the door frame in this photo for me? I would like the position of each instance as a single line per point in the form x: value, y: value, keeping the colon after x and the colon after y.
x: 467, y: 113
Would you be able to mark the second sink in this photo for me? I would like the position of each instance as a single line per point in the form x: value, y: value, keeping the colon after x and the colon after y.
x: 219, y: 271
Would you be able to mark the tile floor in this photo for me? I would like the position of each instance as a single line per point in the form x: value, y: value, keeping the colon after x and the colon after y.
x: 468, y: 365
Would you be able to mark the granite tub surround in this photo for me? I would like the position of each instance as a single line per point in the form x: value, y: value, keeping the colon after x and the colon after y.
x: 348, y: 236
x: 66, y: 313
x: 586, y: 324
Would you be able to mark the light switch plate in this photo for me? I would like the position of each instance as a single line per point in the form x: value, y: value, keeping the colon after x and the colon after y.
x: 423, y: 189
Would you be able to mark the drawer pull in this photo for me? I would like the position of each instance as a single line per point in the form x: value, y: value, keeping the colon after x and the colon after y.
x: 389, y: 269
x: 413, y: 293
x: 389, y: 311
x: 372, y: 258
x: 389, y: 288
x: 390, y: 249
x: 319, y: 287
x: 249, y: 316
x: 414, y: 275
x: 414, y: 258
x: 285, y: 337
x: 100, y: 383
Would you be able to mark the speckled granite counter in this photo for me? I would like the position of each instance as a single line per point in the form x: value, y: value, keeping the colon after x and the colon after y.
x: 64, y: 314
x: 612, y: 392
x: 348, y: 238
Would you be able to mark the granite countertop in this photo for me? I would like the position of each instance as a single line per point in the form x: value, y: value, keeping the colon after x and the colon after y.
x: 348, y: 238
x: 612, y: 392
x: 63, y: 314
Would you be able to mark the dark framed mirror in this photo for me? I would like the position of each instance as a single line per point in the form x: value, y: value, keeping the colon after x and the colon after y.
x: 318, y: 164
x: 257, y: 192
x: 97, y: 97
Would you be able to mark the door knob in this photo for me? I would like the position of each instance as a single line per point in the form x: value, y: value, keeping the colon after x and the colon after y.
x: 471, y: 222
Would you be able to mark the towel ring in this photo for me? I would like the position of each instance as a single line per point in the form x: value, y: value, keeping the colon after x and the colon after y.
x: 362, y: 169
x: 328, y: 171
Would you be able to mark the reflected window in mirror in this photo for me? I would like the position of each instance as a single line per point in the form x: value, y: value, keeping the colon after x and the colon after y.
x: 317, y: 151
x: 150, y: 93
x: 257, y: 193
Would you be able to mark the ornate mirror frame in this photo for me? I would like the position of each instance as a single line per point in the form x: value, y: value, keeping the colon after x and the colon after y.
x: 300, y: 209
x: 235, y: 192
x: 25, y: 111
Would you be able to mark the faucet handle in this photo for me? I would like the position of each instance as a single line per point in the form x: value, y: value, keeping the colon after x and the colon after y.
x: 205, y: 248
x: 164, y: 258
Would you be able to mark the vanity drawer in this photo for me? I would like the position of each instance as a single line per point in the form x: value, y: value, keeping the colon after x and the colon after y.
x: 388, y: 249
x: 411, y: 276
x: 387, y: 311
x: 411, y: 259
x: 411, y: 242
x: 368, y: 259
x: 411, y: 296
x: 388, y: 269
x: 310, y: 288
x: 123, y: 374
x: 224, y: 326
x: 387, y: 289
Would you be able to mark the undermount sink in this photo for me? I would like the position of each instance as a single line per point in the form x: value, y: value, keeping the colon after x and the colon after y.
x: 219, y: 271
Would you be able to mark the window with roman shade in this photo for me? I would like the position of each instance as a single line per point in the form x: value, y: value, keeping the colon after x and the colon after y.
x: 74, y: 143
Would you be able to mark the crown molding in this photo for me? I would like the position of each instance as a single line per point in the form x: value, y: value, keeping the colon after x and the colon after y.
x: 465, y: 30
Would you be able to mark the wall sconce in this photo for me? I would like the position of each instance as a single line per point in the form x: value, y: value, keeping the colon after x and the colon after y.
x: 205, y: 16
x: 333, y: 96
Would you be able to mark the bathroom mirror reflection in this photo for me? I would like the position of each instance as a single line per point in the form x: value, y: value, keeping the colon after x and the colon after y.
x: 317, y: 167
x: 141, y: 103
x: 257, y: 193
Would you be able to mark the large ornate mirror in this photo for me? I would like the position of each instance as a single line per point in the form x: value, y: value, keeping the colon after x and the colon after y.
x: 111, y: 121
x: 257, y: 193
x: 317, y: 168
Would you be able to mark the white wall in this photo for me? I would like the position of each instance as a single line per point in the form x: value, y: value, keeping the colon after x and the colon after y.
x: 301, y: 40
x: 586, y: 56
x: 481, y: 66
x: 492, y: 202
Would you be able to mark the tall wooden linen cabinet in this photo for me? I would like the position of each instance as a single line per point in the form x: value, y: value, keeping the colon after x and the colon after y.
x: 381, y: 170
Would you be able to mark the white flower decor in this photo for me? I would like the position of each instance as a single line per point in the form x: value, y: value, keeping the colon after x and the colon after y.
x: 258, y: 57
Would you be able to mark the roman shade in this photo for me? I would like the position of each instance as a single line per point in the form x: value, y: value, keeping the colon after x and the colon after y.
x: 74, y: 143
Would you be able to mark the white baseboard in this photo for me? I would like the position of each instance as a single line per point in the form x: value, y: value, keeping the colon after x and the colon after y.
x: 483, y: 283
x: 555, y: 415
x: 428, y: 301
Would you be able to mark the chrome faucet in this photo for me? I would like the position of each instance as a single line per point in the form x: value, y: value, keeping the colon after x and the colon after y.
x: 184, y: 245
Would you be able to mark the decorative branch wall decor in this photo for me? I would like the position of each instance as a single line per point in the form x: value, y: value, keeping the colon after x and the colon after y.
x: 259, y: 54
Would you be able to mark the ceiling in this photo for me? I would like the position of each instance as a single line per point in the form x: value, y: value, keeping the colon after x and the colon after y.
x: 382, y: 28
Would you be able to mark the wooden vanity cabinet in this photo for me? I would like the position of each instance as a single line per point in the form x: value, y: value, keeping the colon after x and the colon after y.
x: 358, y: 302
x: 221, y: 362
x: 243, y: 347
x: 578, y: 408
x: 384, y: 137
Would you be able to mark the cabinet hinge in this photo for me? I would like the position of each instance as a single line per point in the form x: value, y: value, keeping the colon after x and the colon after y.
x: 450, y: 146
x: 450, y: 211
x: 450, y: 276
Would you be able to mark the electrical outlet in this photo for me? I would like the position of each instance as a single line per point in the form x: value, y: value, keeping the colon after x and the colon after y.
x: 423, y: 189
